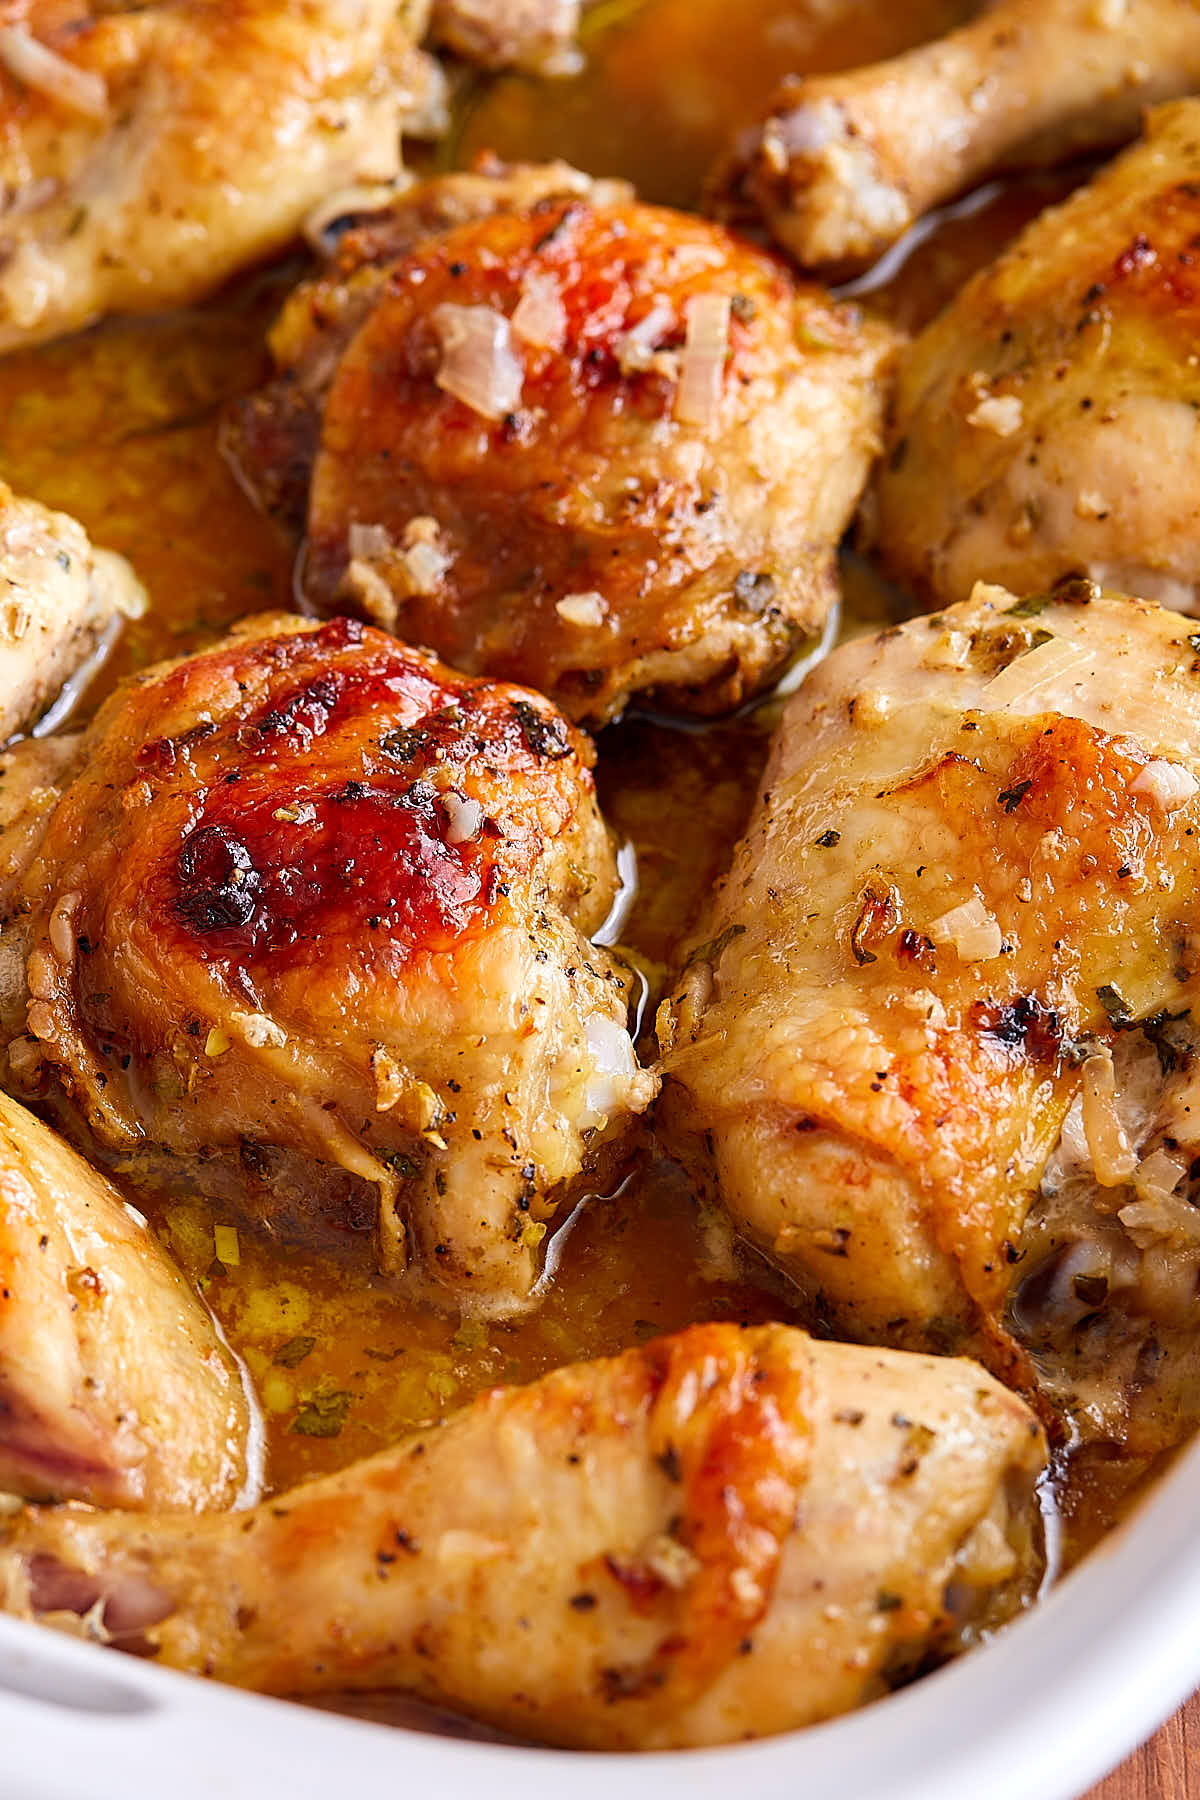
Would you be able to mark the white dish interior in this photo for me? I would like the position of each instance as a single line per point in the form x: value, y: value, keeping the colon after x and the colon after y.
x: 1040, y: 1713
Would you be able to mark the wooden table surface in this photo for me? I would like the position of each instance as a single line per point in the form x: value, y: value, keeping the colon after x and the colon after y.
x: 1167, y: 1768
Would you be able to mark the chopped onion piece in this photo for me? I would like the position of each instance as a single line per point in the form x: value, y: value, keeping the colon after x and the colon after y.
x: 423, y: 559
x: 259, y: 1029
x: 1037, y: 669
x: 363, y: 582
x: 582, y: 609
x: 1160, y: 1174
x: 1163, y: 1219
x: 702, y: 366
x: 1113, y: 1159
x: 463, y: 818
x: 636, y: 348
x: 478, y: 364
x: 613, y: 1072
x: 1166, y: 785
x: 368, y: 541
x: 1001, y: 413
x: 970, y: 929
x: 44, y: 70
x: 540, y: 318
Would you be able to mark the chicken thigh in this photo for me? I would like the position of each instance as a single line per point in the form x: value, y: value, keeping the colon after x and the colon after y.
x: 115, y: 1387
x: 1047, y: 422
x: 62, y: 601
x: 568, y: 439
x: 149, y: 151
x: 844, y: 164
x: 935, y: 1052
x: 304, y: 925
x: 720, y: 1535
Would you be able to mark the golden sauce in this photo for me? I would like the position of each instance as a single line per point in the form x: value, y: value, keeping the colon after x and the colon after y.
x: 666, y: 82
x: 120, y: 427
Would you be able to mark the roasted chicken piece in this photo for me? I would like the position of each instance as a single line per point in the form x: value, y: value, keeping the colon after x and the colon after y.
x: 501, y: 34
x: 62, y: 601
x: 149, y: 151
x: 720, y: 1535
x: 569, y: 439
x: 842, y: 165
x: 115, y: 1386
x: 306, y: 927
x: 970, y: 881
x: 1047, y: 422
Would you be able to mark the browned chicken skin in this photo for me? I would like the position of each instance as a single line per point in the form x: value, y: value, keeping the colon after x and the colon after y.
x: 62, y: 599
x: 717, y: 1536
x: 498, y: 34
x: 149, y: 151
x: 970, y: 882
x: 844, y: 164
x: 115, y: 1387
x: 305, y: 924
x: 568, y: 439
x: 1047, y: 422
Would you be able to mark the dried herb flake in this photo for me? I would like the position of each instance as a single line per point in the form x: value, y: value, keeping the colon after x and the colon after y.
x: 322, y: 1414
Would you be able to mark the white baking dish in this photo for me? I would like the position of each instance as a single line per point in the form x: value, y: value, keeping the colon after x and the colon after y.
x: 1039, y: 1714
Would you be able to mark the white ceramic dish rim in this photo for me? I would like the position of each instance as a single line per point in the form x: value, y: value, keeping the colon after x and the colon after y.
x: 1038, y: 1714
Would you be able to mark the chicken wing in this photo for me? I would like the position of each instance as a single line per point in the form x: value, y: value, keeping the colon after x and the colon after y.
x: 568, y: 439
x: 115, y: 1387
x: 306, y: 924
x: 970, y: 882
x: 844, y: 164
x: 1046, y: 423
x: 62, y: 601
x: 149, y: 151
x: 720, y: 1535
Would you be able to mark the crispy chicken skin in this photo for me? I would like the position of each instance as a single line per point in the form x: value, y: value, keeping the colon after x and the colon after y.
x: 173, y: 143
x: 114, y: 1385
x: 843, y: 164
x: 609, y: 530
x: 1047, y: 422
x: 500, y: 34
x: 305, y: 924
x: 61, y: 598
x: 971, y: 872
x: 716, y: 1536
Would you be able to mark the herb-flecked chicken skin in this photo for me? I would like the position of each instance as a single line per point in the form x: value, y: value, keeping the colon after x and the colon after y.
x: 306, y: 925
x: 147, y: 152
x: 62, y: 600
x: 1046, y: 423
x: 116, y: 1387
x: 568, y: 439
x: 842, y: 165
x: 716, y: 1536
x: 936, y: 1049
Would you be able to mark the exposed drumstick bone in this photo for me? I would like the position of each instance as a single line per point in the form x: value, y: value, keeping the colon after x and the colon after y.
x: 842, y: 165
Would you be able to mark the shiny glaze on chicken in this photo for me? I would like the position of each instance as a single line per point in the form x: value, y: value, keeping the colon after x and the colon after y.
x: 120, y: 428
x: 844, y: 164
x: 62, y: 599
x: 115, y: 1385
x: 581, y: 520
x: 970, y: 871
x: 136, y: 141
x: 309, y: 914
x: 719, y: 1535
x: 1056, y: 397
